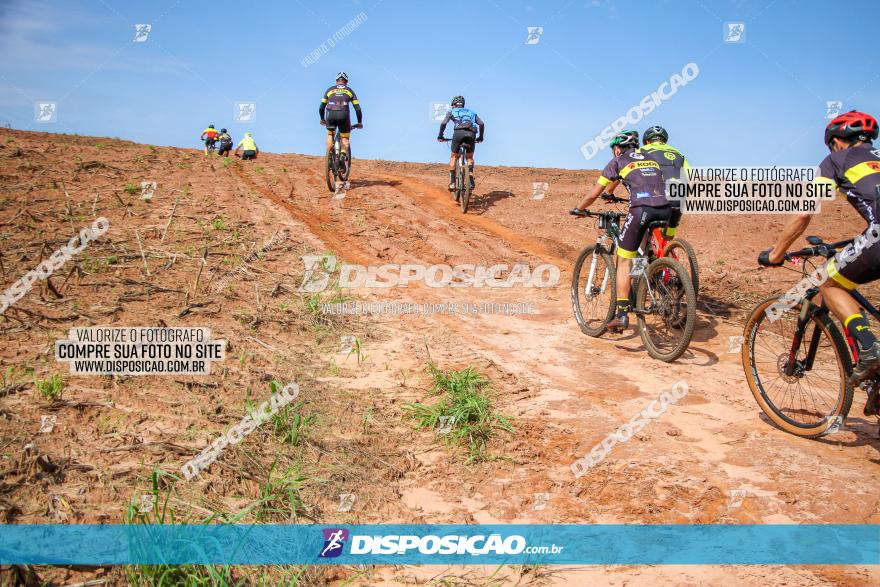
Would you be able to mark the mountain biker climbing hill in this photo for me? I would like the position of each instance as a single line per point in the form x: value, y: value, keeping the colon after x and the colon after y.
x: 465, y: 126
x: 854, y: 168
x: 209, y: 135
x: 225, y: 140
x: 334, y: 111
x: 250, y: 147
x: 642, y: 176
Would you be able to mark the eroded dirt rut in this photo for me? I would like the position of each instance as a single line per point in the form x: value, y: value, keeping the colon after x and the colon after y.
x: 710, y: 459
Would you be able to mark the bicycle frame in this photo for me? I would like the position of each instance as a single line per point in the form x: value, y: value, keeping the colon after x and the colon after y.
x: 808, y: 310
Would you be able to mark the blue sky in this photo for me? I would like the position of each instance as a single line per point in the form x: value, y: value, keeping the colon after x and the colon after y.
x: 760, y: 102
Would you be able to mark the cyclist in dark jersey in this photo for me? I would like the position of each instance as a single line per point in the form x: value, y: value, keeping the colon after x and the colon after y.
x: 853, y: 167
x: 465, y: 123
x: 671, y: 161
x: 334, y: 110
x: 642, y: 177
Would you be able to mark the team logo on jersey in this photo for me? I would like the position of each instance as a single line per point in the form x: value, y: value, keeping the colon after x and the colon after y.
x: 876, y: 152
x: 669, y: 155
x: 636, y: 156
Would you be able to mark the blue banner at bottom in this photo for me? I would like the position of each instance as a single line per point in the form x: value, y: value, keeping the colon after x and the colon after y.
x: 267, y: 544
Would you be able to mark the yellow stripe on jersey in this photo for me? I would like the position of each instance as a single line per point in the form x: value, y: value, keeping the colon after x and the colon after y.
x: 862, y: 170
x: 603, y: 181
x: 630, y: 167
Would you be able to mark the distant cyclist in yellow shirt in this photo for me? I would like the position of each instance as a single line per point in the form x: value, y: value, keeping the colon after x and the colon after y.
x: 249, y: 147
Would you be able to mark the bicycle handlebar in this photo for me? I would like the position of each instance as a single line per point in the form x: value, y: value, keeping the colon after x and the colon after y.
x: 615, y: 199
x: 826, y: 250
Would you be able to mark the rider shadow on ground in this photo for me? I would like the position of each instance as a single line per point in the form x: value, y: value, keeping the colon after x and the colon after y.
x: 865, y: 432
x: 365, y: 183
x: 481, y: 203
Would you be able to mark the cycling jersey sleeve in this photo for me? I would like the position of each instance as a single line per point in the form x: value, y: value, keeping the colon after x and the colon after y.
x: 828, y: 171
x: 444, y: 123
x: 610, y: 173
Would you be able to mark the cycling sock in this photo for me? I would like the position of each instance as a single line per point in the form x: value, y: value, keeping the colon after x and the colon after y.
x: 622, y: 305
x: 857, y: 326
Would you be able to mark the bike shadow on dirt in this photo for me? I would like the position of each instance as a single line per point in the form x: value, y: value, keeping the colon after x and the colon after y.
x: 865, y: 432
x: 481, y: 203
x: 366, y: 183
x: 689, y: 357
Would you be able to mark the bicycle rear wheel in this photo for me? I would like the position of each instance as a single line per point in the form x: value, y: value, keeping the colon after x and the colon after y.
x: 465, y: 188
x: 594, y: 290
x: 666, y: 307
x: 815, y: 398
x: 683, y: 252
x: 345, y: 164
x: 330, y: 170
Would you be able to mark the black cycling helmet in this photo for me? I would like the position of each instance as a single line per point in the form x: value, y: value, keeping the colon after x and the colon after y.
x: 655, y: 133
x: 342, y: 75
x: 222, y: 130
x: 458, y: 102
x: 626, y: 139
x: 853, y: 124
x: 210, y: 126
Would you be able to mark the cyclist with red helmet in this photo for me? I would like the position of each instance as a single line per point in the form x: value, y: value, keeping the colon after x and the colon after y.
x: 853, y: 167
x: 642, y: 176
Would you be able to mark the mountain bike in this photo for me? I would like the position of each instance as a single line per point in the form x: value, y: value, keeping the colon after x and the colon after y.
x: 798, y: 365
x: 211, y: 146
x: 678, y: 248
x: 662, y: 294
x: 462, y: 191
x: 337, y: 163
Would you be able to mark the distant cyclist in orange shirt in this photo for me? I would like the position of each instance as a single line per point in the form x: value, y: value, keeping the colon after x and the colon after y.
x: 209, y: 135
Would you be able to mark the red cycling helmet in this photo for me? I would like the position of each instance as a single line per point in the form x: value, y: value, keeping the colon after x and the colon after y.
x: 852, y: 124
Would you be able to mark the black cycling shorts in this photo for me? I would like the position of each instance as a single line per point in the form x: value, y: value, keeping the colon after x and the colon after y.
x: 463, y: 136
x: 209, y: 142
x: 338, y: 119
x: 636, y: 225
x: 859, y: 263
x: 249, y: 154
x: 224, y: 148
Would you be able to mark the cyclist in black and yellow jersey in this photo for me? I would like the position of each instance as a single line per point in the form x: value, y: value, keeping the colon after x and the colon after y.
x: 643, y: 178
x: 334, y: 111
x: 853, y: 167
x: 671, y: 161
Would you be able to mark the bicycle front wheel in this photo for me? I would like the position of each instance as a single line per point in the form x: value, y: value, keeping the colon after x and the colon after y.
x: 465, y: 188
x: 666, y: 307
x: 810, y: 397
x: 683, y: 252
x: 594, y: 290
